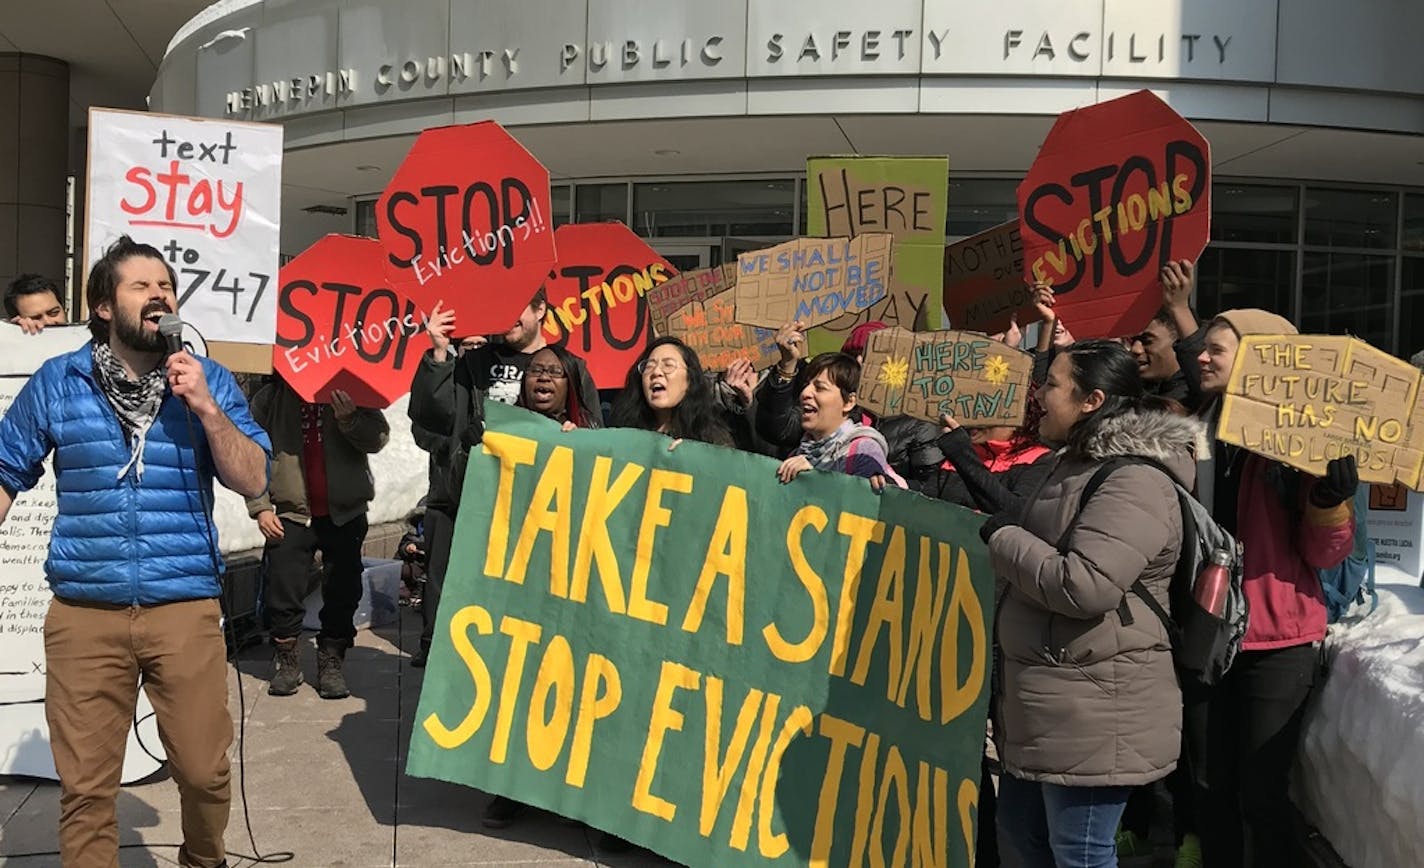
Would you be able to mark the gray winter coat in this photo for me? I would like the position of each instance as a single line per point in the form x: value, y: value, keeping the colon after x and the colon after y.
x: 1088, y: 700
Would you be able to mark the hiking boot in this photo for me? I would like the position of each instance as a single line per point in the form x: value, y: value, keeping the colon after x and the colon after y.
x: 502, y: 813
x: 1189, y: 854
x: 1133, y: 851
x: 287, y: 676
x: 330, y: 683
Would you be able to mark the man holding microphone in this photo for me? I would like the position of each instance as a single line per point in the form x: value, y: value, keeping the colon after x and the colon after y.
x: 133, y: 557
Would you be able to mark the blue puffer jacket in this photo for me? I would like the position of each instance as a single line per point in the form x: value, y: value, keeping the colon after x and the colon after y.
x: 124, y: 541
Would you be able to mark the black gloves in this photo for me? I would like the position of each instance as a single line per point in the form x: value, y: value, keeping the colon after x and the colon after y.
x: 1337, y: 485
x: 995, y: 522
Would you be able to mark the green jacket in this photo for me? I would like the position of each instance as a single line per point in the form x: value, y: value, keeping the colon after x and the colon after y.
x: 346, y: 444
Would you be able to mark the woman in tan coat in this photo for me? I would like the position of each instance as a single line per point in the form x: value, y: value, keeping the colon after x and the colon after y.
x: 1090, y: 705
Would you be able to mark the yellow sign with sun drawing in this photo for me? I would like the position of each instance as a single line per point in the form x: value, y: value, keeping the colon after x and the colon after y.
x: 979, y: 381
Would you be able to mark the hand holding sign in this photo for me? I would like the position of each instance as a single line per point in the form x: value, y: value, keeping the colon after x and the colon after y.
x: 1118, y: 190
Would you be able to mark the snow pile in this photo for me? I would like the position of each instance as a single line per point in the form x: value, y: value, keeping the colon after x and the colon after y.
x: 1361, y: 774
x: 401, y: 475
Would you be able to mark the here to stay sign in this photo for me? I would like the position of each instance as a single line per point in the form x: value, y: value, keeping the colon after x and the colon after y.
x: 208, y: 195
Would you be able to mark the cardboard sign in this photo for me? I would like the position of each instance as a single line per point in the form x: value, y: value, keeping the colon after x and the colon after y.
x: 669, y: 645
x: 699, y: 284
x: 812, y: 280
x: 598, y: 307
x: 983, y: 281
x: 465, y: 221
x: 980, y: 382
x: 208, y: 195
x: 342, y: 327
x: 1117, y: 191
x: 710, y: 327
x: 25, y: 593
x: 904, y: 196
x: 1305, y: 399
x: 1396, y: 525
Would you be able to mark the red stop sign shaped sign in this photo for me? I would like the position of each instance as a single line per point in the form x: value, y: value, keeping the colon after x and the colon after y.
x: 597, y: 309
x: 1117, y: 191
x: 466, y: 220
x: 341, y: 326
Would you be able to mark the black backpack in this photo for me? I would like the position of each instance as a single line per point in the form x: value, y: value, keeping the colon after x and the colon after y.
x: 1203, y: 645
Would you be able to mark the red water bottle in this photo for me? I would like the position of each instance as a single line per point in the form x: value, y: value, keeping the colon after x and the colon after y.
x: 1213, y: 583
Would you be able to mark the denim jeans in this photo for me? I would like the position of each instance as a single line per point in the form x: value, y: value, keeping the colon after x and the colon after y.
x: 1052, y: 826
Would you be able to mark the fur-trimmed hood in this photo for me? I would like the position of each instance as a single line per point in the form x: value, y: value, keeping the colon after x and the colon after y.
x: 1173, y: 440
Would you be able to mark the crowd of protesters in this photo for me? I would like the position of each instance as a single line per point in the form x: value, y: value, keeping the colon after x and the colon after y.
x: 1089, y: 711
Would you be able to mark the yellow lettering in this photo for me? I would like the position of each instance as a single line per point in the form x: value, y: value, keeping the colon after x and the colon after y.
x: 512, y: 452
x: 968, y: 810
x: 756, y: 764
x: 864, y: 799
x: 717, y: 767
x: 726, y: 556
x: 594, y: 545
x: 898, y: 777
x: 888, y: 611
x: 931, y: 837
x: 862, y: 531
x: 655, y: 515
x: 547, y: 729
x: 930, y: 595
x: 460, y: 624
x: 549, y: 511
x: 1136, y: 212
x: 1159, y: 202
x: 522, y: 634
x: 664, y: 720
x: 773, y: 845
x: 963, y: 605
x: 843, y: 734
x: 598, y: 672
x: 1181, y: 196
x: 800, y: 652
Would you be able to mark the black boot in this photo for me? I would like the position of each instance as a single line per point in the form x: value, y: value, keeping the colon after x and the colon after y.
x: 330, y: 683
x: 287, y: 676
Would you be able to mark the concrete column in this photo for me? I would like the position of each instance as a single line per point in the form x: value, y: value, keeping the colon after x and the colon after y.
x: 34, y: 160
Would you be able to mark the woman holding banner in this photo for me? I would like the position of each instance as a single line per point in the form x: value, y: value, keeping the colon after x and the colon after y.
x: 832, y: 439
x: 1244, y: 732
x: 1090, y: 705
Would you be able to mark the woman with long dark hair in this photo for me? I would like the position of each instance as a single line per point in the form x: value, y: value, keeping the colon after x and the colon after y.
x: 1090, y: 705
x: 546, y: 388
x: 666, y: 392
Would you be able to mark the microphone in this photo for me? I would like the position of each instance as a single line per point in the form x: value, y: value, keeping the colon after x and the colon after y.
x: 170, y: 325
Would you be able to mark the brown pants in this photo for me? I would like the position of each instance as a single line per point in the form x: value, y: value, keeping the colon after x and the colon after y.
x: 94, y: 654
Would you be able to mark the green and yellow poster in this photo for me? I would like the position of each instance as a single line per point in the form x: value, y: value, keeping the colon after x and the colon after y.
x: 905, y: 196
x: 674, y: 647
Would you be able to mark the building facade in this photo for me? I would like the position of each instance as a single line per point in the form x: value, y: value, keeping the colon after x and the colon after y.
x: 691, y: 119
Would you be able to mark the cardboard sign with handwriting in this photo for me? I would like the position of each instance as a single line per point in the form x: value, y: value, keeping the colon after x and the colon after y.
x: 980, y: 382
x: 812, y: 280
x: 698, y: 284
x: 710, y: 327
x: 1305, y: 399
x: 983, y: 281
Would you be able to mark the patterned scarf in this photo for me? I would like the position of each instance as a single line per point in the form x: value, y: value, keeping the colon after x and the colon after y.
x: 135, y: 403
x: 831, y: 452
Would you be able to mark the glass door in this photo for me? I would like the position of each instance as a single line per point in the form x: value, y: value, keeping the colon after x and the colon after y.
x: 685, y: 256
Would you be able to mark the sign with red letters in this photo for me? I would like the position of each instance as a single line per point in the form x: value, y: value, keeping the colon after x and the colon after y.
x: 466, y: 221
x: 207, y: 194
x: 1117, y: 191
x: 341, y: 326
x: 598, y: 307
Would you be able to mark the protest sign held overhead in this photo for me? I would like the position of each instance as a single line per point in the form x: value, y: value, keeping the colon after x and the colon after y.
x: 341, y: 326
x: 698, y: 284
x: 597, y: 294
x: 710, y: 327
x: 983, y: 281
x: 1305, y: 399
x: 466, y: 221
x: 978, y: 381
x: 1117, y: 191
x: 906, y: 197
x: 207, y: 194
x: 623, y: 641
x: 812, y: 280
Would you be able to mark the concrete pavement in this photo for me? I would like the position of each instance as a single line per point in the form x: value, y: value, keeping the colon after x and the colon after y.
x: 324, y: 780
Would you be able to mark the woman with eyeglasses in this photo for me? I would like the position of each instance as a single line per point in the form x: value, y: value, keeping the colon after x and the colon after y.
x: 666, y: 392
x: 546, y: 388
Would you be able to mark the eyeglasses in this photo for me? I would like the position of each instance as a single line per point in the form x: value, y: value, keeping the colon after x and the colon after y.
x: 554, y: 371
x: 667, y: 366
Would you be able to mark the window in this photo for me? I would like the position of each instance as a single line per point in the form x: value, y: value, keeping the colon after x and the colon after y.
x: 598, y: 203
x: 1350, y: 218
x: 365, y: 218
x: 1349, y: 293
x: 714, y: 208
x: 1230, y: 277
x: 1254, y: 213
x: 1413, y: 229
x: 561, y: 200
x: 1411, y: 309
x: 976, y: 204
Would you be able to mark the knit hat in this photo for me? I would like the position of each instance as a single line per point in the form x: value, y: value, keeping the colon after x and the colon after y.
x: 860, y: 336
x: 1254, y: 321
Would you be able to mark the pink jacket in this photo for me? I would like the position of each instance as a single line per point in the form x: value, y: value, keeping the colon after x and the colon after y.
x: 1282, y: 554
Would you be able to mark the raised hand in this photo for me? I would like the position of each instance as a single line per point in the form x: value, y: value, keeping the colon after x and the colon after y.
x: 742, y: 376
x: 440, y: 325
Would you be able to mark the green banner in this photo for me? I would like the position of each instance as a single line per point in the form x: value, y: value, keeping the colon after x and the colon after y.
x: 905, y: 196
x: 676, y: 648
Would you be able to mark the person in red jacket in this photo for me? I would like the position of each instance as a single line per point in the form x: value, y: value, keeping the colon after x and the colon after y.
x: 1243, y: 733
